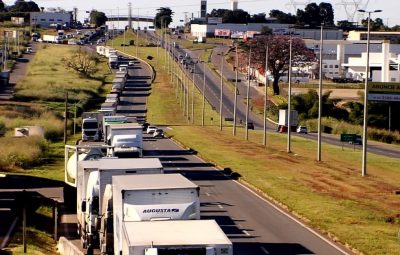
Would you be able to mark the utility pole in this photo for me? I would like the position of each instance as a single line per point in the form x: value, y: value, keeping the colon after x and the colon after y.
x: 65, y: 117
x: 246, y: 132
x: 221, y: 90
x: 194, y: 71
x: 321, y: 47
x: 266, y: 96
x: 288, y: 149
x: 204, y: 89
x: 137, y: 36
x: 236, y: 90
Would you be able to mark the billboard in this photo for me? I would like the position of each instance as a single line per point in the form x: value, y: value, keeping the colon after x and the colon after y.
x: 222, y: 32
x: 214, y: 20
x: 384, y: 91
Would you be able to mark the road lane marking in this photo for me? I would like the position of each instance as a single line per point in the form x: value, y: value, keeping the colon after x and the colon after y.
x: 220, y: 207
x: 264, y: 250
x: 246, y: 233
x: 178, y: 168
x: 169, y: 128
x: 208, y: 194
x: 8, y: 235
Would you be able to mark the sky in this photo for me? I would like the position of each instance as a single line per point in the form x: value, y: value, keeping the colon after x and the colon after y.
x: 389, y: 8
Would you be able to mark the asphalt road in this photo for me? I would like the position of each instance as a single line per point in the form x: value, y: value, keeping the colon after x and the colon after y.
x: 254, y: 225
x: 212, y: 93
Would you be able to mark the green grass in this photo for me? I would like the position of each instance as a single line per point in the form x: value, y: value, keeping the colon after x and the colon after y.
x: 48, y: 79
x: 330, y: 195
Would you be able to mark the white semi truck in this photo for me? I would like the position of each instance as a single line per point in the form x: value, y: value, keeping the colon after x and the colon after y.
x: 146, y: 198
x: 92, y: 178
x: 126, y: 140
x: 189, y: 237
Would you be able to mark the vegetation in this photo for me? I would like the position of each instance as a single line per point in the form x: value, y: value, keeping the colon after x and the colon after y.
x: 83, y: 61
x: 163, y: 17
x: 98, y: 18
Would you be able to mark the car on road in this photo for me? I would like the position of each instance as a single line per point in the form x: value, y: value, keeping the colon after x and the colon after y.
x: 250, y: 125
x: 159, y: 133
x: 302, y: 130
x: 151, y: 129
x: 357, y: 141
x: 131, y: 63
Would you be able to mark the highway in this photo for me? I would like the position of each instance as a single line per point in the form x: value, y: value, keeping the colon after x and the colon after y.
x: 212, y: 94
x: 254, y: 225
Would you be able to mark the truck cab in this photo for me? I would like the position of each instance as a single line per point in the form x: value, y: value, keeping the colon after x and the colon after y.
x: 90, y: 129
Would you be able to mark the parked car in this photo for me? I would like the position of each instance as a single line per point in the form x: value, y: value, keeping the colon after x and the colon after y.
x: 302, y: 130
x: 151, y: 129
x: 159, y: 133
x: 131, y: 63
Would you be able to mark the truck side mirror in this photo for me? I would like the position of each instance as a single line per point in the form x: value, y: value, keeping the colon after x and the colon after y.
x: 83, y: 206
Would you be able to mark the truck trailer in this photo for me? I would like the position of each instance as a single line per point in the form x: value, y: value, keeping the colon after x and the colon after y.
x: 92, y: 178
x: 189, y: 237
x: 146, y: 198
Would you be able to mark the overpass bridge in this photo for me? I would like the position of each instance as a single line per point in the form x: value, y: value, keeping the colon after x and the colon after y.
x: 133, y: 18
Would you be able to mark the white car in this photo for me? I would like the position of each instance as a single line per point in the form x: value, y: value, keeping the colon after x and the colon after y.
x: 302, y: 129
x: 151, y: 129
x: 131, y: 63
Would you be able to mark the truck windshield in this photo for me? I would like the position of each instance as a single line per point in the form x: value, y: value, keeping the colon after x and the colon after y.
x: 90, y: 125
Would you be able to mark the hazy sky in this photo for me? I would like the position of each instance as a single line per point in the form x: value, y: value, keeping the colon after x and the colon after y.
x: 389, y: 14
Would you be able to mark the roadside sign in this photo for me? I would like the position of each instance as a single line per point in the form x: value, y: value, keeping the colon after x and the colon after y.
x: 384, y: 91
x: 348, y: 137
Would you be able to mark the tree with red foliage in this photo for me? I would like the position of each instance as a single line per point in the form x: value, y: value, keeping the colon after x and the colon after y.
x: 278, y: 59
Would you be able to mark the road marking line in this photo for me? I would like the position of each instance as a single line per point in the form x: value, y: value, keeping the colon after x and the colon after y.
x: 208, y: 194
x: 246, y: 233
x: 8, y: 235
x: 264, y: 250
x: 169, y: 128
x: 179, y: 168
x: 220, y: 206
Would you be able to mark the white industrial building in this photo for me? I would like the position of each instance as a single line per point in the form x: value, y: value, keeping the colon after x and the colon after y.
x: 50, y: 19
x: 208, y: 30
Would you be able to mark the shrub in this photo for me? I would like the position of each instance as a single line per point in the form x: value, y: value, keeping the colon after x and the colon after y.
x: 12, y: 156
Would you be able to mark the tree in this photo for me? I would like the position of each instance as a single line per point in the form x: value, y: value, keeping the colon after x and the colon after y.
x: 375, y: 25
x: 2, y: 6
x: 278, y: 61
x: 82, y: 61
x: 98, y: 18
x: 346, y: 25
x: 265, y: 30
x: 282, y: 17
x: 228, y: 16
x: 163, y: 16
x: 313, y: 15
x: 258, y: 18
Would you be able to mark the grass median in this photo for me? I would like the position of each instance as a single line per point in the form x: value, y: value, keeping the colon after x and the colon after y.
x: 331, y: 195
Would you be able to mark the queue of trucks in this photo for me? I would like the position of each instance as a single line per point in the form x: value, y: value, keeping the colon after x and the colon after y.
x: 126, y: 204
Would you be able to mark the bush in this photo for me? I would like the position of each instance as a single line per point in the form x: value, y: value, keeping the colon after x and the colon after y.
x: 12, y: 156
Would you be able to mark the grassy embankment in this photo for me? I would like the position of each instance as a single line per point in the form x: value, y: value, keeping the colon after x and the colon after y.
x: 39, y: 100
x: 329, y: 195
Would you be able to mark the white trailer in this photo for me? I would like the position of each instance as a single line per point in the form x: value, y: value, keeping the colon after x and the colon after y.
x: 92, y: 178
x: 146, y: 198
x: 50, y: 38
x: 173, y: 238
x: 123, y: 129
x: 127, y: 146
x: 283, y: 120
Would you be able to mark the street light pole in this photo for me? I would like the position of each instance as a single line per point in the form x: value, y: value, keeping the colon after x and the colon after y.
x: 288, y: 149
x: 246, y: 132
x: 236, y: 91
x: 365, y: 122
x: 321, y: 47
x: 266, y: 96
x: 221, y: 90
x: 204, y: 89
x: 194, y: 71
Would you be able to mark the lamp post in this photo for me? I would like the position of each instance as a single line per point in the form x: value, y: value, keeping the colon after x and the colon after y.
x: 320, y: 93
x: 194, y: 71
x: 288, y: 149
x: 204, y: 90
x: 246, y: 132
x: 266, y: 96
x: 236, y: 90
x: 365, y: 122
x: 221, y: 91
